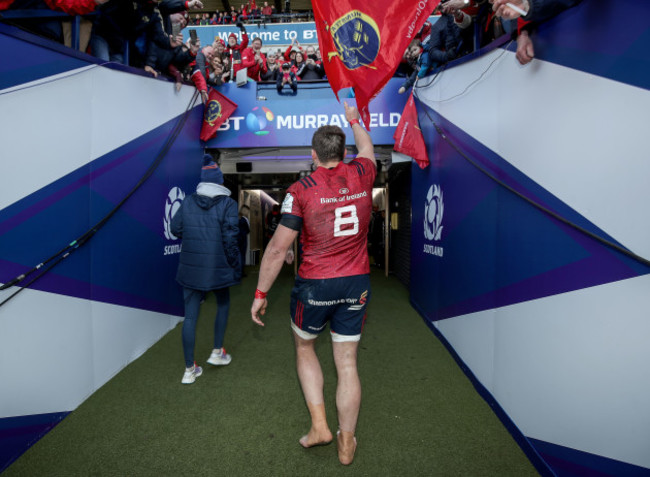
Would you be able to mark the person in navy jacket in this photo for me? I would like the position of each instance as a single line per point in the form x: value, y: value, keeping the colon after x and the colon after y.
x: 207, y: 222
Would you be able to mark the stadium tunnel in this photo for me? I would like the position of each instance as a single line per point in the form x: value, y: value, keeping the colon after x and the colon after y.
x: 534, y: 277
x: 259, y: 177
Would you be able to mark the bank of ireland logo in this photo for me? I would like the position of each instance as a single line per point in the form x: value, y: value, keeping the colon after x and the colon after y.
x: 212, y: 112
x: 433, y: 210
x: 172, y: 204
x: 258, y: 119
x: 356, y: 37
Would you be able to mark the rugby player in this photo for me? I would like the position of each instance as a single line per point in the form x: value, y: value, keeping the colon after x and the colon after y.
x: 332, y: 209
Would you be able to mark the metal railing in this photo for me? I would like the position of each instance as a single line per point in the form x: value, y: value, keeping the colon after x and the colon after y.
x: 31, y: 14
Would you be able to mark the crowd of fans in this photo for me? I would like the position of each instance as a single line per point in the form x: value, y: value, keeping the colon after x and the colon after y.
x: 248, y: 13
x: 466, y: 25
x: 150, y: 31
x: 220, y: 62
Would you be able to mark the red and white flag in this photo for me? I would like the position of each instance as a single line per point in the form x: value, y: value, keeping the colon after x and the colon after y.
x: 217, y: 110
x: 362, y: 42
x: 408, y: 135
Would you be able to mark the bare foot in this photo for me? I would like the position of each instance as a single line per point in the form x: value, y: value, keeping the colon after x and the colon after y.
x: 347, y: 445
x: 316, y: 438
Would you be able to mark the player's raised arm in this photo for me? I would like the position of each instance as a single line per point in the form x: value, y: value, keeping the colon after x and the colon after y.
x: 361, y: 137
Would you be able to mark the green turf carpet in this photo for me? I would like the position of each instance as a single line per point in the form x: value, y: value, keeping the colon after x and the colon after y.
x: 420, y: 415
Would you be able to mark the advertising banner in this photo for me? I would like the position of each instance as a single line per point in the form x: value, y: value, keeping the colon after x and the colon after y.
x: 264, y: 118
x: 272, y: 34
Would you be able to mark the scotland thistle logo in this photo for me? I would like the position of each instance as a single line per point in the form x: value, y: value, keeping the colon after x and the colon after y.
x: 357, y: 39
x: 433, y: 210
x: 172, y: 204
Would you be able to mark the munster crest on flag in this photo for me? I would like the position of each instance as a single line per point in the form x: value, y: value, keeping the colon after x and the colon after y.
x: 362, y: 42
x: 217, y: 110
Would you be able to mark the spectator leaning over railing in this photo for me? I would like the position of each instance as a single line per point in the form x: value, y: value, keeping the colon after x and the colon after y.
x: 413, y: 57
x: 204, y: 58
x: 444, y: 45
x: 253, y: 59
x: 200, y: 71
x: 204, y: 61
x: 444, y: 42
x: 169, y: 7
x: 171, y: 62
x: 535, y: 11
x: 287, y: 77
x: 212, y: 67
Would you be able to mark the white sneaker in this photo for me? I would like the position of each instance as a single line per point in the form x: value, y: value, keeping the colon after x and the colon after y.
x: 219, y: 357
x: 191, y: 374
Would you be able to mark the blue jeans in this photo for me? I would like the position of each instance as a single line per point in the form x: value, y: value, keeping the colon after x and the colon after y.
x: 192, y: 305
x: 100, y: 49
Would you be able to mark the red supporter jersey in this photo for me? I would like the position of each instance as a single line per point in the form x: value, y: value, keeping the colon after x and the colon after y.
x: 335, y: 206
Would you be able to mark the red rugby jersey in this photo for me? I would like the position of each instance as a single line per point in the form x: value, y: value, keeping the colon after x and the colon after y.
x: 335, y: 206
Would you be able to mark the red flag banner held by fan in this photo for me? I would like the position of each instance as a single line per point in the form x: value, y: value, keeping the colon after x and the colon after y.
x: 408, y: 135
x: 217, y: 110
x: 362, y: 42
